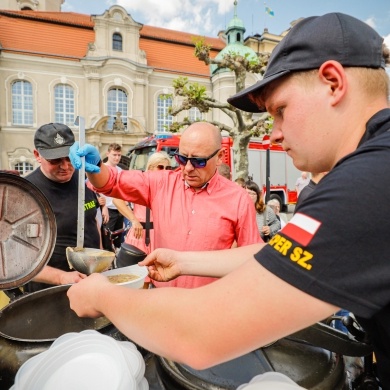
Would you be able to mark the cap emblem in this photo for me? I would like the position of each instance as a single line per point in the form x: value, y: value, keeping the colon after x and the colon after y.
x: 58, y: 139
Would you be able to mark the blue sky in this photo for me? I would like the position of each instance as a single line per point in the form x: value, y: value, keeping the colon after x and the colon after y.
x: 207, y: 17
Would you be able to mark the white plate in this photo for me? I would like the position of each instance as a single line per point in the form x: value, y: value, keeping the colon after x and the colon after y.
x: 135, y: 363
x: 88, y: 363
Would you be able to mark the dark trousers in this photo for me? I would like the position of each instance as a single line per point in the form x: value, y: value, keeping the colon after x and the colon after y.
x: 115, y: 223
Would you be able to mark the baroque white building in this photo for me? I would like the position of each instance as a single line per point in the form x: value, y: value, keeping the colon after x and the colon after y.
x: 109, y: 69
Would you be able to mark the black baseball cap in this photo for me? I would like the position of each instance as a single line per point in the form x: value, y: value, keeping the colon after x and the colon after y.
x: 313, y: 41
x: 53, y: 140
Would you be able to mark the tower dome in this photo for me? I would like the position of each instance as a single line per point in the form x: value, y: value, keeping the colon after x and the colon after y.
x: 235, y: 43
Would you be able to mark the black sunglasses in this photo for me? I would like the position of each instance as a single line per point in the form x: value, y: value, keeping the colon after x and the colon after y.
x: 196, y: 162
x: 161, y: 167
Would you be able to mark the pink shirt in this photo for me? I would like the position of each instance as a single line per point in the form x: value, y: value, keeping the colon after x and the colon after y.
x: 185, y: 220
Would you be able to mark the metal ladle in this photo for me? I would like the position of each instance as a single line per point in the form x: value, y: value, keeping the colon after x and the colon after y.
x: 85, y: 260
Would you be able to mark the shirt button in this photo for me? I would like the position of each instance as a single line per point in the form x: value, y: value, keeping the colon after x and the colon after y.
x: 189, y: 232
x: 193, y: 211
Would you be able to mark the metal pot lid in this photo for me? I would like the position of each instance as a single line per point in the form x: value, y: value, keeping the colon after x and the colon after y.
x: 27, y: 231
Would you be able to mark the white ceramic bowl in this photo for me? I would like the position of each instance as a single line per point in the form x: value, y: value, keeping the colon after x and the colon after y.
x: 142, y: 272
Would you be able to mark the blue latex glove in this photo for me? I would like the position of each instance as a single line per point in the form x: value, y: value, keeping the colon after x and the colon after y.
x: 92, y: 157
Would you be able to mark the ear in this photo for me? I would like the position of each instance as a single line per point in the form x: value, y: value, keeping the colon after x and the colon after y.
x: 333, y: 75
x: 37, y: 156
x: 221, y: 155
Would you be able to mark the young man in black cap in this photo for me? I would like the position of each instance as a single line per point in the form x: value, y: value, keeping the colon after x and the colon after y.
x: 57, y: 179
x: 327, y: 88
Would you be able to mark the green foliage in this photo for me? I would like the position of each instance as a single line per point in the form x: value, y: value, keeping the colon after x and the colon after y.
x: 193, y: 91
x: 180, y: 82
x: 166, y: 96
x: 201, y: 48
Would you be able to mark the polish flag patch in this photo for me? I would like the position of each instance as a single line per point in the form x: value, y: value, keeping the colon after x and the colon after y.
x: 301, y: 228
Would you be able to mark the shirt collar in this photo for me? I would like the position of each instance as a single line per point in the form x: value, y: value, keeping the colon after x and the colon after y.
x: 377, y: 124
x: 209, y: 186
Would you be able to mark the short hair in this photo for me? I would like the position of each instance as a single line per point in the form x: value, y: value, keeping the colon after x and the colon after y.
x: 240, y: 181
x: 157, y: 158
x: 273, y: 202
x: 115, y: 147
x: 224, y: 170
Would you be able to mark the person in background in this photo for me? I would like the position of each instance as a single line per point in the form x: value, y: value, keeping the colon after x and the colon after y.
x: 58, y: 181
x: 224, y: 170
x: 115, y: 221
x: 194, y: 208
x: 267, y: 222
x: 240, y: 182
x: 326, y: 70
x: 275, y: 206
x: 102, y: 216
x: 301, y: 182
x: 307, y: 190
x: 158, y: 161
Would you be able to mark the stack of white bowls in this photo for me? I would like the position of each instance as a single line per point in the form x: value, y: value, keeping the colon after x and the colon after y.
x: 85, y: 360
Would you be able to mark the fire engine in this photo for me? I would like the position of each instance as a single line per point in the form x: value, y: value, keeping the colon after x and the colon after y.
x: 283, y: 173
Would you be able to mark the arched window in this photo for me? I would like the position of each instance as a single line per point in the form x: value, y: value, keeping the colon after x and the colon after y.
x: 163, y: 117
x: 23, y: 168
x: 22, y: 103
x: 194, y: 114
x: 117, y: 42
x: 64, y: 104
x: 116, y: 101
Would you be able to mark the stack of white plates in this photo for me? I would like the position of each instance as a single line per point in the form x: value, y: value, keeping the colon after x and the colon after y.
x: 85, y: 360
x: 270, y: 381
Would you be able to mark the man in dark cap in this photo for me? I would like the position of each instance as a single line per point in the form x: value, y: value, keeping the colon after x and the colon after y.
x: 58, y: 180
x: 327, y: 88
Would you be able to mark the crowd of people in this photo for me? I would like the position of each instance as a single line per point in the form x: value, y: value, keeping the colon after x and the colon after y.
x: 216, y: 250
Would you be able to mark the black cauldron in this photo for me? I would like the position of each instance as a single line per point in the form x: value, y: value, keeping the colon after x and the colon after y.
x: 31, y: 323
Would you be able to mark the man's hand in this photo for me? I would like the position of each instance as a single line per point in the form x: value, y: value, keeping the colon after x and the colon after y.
x: 162, y: 264
x: 83, y: 296
x: 102, y: 200
x: 105, y: 215
x: 71, y: 277
x: 137, y: 228
x: 91, y: 154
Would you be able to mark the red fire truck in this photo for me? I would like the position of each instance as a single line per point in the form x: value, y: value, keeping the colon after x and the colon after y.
x: 283, y: 174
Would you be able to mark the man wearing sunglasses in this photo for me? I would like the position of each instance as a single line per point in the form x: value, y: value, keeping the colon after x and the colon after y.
x: 194, y: 208
x: 57, y: 179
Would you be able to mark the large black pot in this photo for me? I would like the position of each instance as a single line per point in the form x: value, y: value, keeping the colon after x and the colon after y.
x: 305, y: 357
x: 309, y: 366
x: 30, y: 324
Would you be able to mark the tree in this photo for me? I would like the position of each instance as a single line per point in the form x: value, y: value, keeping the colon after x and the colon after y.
x: 244, y: 125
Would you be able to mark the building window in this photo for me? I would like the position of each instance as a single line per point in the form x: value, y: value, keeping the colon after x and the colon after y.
x: 117, y: 101
x: 194, y: 114
x: 164, y: 120
x: 64, y: 104
x: 22, y: 103
x: 23, y: 168
x: 117, y: 42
